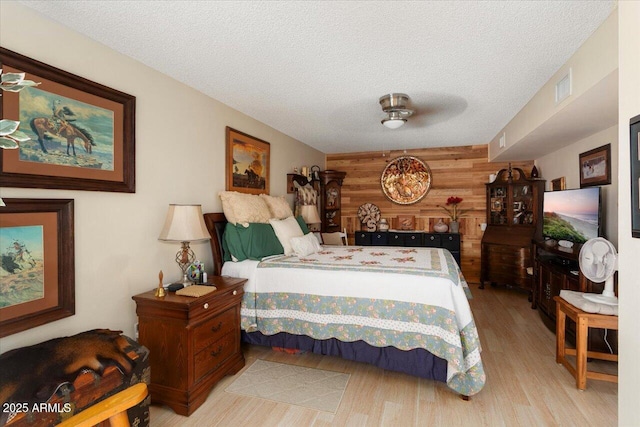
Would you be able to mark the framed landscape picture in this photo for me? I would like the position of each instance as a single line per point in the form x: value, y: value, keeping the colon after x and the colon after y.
x: 247, y: 163
x: 595, y: 167
x: 37, y: 285
x: 82, y: 133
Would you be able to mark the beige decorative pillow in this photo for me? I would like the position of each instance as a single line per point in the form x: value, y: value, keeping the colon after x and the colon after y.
x: 286, y: 229
x: 244, y: 208
x: 305, y: 245
x: 278, y: 206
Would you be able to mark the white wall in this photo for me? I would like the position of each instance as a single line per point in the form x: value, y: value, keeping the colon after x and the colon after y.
x: 628, y: 247
x: 564, y: 162
x: 180, y: 158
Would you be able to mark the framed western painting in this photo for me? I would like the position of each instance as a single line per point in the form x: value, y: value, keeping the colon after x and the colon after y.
x: 595, y: 167
x: 37, y: 285
x: 634, y: 126
x: 247, y: 163
x: 82, y: 133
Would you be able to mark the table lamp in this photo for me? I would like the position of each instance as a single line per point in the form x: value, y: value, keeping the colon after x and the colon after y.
x: 185, y: 224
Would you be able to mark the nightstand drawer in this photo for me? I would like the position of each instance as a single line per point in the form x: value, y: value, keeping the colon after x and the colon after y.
x: 212, y: 356
x: 209, y: 303
x: 211, y: 330
x: 432, y: 240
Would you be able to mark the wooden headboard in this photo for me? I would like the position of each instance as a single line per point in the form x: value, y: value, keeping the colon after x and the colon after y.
x: 215, y: 223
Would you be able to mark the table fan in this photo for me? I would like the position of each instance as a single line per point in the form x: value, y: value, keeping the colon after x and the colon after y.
x: 598, y: 262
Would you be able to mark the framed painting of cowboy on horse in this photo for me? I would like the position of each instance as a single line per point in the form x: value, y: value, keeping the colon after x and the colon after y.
x: 247, y: 163
x: 82, y: 134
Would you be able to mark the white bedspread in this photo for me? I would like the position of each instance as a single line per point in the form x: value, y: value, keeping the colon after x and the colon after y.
x: 404, y: 297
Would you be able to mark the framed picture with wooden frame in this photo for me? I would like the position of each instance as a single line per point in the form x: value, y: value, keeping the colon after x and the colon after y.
x: 36, y: 237
x: 247, y: 163
x: 595, y: 167
x: 634, y: 128
x: 82, y: 133
x: 558, y: 184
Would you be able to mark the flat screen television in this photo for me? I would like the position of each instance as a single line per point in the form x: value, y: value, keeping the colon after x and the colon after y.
x: 573, y: 215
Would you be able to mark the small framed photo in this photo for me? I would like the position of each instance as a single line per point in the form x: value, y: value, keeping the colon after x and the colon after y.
x: 558, y: 184
x: 634, y: 127
x: 496, y: 204
x: 595, y: 167
x: 517, y: 206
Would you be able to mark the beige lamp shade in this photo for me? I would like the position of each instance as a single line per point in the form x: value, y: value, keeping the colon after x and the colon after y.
x: 184, y: 223
x: 310, y: 214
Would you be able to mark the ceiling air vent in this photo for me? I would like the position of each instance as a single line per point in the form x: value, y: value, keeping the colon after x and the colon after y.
x: 563, y: 87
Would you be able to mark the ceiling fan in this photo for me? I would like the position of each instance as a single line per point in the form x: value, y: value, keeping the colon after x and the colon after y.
x: 395, y: 105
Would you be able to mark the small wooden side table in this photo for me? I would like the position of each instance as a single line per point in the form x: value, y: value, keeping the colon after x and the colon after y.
x: 584, y: 321
x: 193, y: 342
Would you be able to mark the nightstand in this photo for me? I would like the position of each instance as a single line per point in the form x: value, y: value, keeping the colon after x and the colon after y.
x: 192, y: 342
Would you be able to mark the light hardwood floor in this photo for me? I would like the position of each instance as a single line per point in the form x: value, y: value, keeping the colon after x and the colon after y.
x: 525, y: 386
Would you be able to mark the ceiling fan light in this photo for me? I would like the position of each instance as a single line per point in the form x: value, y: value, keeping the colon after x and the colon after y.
x: 393, y: 123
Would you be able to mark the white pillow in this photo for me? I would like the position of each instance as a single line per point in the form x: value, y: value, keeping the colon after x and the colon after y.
x: 306, y: 245
x: 285, y: 229
x: 278, y: 206
x: 244, y: 208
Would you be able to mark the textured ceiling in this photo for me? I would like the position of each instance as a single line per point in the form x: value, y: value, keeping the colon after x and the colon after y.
x: 314, y: 70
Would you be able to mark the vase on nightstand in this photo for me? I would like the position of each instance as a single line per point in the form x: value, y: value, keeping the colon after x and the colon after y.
x: 454, y: 226
x: 440, y: 227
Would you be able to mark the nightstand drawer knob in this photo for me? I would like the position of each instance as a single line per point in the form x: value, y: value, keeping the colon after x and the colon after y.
x: 206, y: 305
x: 235, y: 292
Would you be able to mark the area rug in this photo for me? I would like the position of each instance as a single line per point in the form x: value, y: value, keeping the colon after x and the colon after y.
x: 296, y: 385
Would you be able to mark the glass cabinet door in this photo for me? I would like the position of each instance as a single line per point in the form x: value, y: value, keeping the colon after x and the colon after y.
x: 522, y: 209
x: 498, y: 200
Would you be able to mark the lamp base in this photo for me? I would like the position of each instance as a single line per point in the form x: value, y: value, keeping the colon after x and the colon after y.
x: 186, y: 282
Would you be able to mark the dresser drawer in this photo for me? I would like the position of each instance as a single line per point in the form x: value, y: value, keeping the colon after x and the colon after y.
x: 203, y: 306
x: 396, y: 239
x: 211, y: 330
x: 432, y: 240
x: 363, y: 238
x: 413, y: 239
x: 211, y: 357
x: 380, y: 239
x: 451, y: 242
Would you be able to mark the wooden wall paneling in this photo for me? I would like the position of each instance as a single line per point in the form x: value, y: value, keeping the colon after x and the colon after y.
x: 456, y: 171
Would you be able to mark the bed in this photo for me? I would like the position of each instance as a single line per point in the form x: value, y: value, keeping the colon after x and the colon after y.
x: 370, y: 304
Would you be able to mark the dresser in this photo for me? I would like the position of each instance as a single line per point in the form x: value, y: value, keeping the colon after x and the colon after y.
x: 193, y: 342
x: 449, y: 241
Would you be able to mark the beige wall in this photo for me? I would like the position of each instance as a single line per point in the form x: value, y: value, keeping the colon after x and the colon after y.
x: 564, y: 162
x: 628, y: 247
x: 593, y: 69
x: 180, y: 158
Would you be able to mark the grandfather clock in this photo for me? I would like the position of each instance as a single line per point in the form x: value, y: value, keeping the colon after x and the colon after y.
x: 330, y: 200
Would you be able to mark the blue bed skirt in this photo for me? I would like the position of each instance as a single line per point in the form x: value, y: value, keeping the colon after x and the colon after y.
x: 417, y: 362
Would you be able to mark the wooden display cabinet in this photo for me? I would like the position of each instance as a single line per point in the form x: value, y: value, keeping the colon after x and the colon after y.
x: 330, y: 200
x: 514, y: 218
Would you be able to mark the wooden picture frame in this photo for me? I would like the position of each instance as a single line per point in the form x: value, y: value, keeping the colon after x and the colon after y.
x: 247, y: 163
x: 558, y: 184
x: 595, y: 167
x: 82, y: 133
x: 37, y: 243
x: 634, y: 130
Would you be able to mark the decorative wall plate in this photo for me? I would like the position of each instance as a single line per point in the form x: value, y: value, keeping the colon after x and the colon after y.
x: 406, y: 180
x: 369, y: 215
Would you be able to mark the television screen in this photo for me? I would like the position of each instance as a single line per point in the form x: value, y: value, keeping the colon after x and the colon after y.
x: 572, y: 215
